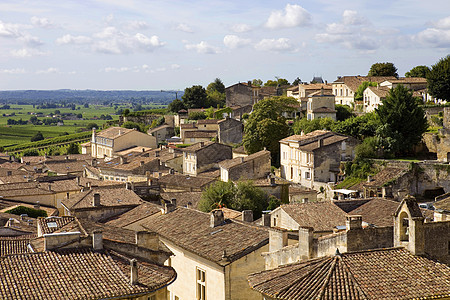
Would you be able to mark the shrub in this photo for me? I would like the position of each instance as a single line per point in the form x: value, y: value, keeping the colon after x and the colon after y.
x: 31, y: 212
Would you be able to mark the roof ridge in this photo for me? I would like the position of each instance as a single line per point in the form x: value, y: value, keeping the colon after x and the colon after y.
x: 327, y: 279
x: 355, y: 282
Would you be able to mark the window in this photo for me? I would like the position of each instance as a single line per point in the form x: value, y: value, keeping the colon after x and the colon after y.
x: 307, y: 175
x: 201, y: 284
x: 152, y: 297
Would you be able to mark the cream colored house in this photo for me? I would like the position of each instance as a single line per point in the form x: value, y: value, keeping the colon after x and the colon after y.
x: 373, y: 97
x: 212, y: 255
x: 320, y: 105
x: 344, y: 88
x: 313, y: 159
x: 107, y: 142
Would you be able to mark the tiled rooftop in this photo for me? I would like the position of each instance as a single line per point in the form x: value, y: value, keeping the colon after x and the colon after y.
x: 353, y: 82
x: 379, y: 212
x: 184, y: 181
x: 229, y: 163
x: 322, y: 216
x: 109, y: 196
x: 190, y: 229
x: 15, y: 245
x: 378, y: 274
x: 139, y: 212
x: 113, y: 132
x: 77, y: 274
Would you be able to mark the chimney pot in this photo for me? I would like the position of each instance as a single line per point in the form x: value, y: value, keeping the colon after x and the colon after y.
x: 37, y: 205
x: 217, y: 218
x: 9, y: 173
x: 157, y: 153
x: 369, y: 178
x: 320, y: 143
x: 134, y: 272
x: 123, y: 160
x: 142, y: 163
x: 353, y: 222
x: 97, y: 240
x: 168, y: 207
x: 247, y: 215
x: 266, y: 220
x: 202, y: 144
x: 23, y: 217
x: 174, y: 202
x: 96, y: 200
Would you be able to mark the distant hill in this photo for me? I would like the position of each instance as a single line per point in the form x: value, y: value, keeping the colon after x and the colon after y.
x: 86, y: 96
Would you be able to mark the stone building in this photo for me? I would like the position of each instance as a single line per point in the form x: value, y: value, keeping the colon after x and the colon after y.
x: 313, y: 159
x: 203, y: 156
x: 226, y: 131
x: 254, y: 166
x: 162, y: 132
x: 320, y: 105
x: 443, y: 144
x: 107, y: 142
x: 212, y: 255
x: 373, y: 97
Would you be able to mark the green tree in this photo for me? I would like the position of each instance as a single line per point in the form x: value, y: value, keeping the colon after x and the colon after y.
x: 306, y: 126
x: 383, y: 69
x: 126, y: 112
x: 343, y: 112
x: 34, y: 120
x: 216, y: 85
x: 359, y: 127
x: 297, y: 81
x: 216, y: 99
x: 37, y: 137
x: 257, y: 82
x: 131, y: 125
x: 361, y: 88
x: 439, y: 79
x: 195, y: 97
x: 266, y: 126
x: 240, y: 196
x: 419, y: 71
x: 73, y: 149
x: 403, y: 121
x: 89, y: 126
x: 197, y: 115
x: 175, y: 106
x: 279, y: 81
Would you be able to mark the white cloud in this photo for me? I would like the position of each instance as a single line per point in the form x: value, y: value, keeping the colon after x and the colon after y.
x: 351, y: 17
x: 233, y: 41
x: 293, y: 15
x: 203, y: 48
x: 434, y: 37
x: 74, y: 40
x: 25, y: 52
x: 442, y: 23
x: 184, y: 27
x: 42, y: 22
x: 48, y: 71
x: 147, y: 43
x: 175, y: 66
x: 239, y: 28
x: 10, y: 30
x: 118, y: 70
x: 277, y: 45
x: 137, y: 25
x: 31, y: 41
x: 13, y: 71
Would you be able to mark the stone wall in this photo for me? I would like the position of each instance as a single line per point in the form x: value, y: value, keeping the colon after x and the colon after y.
x: 238, y: 95
x: 254, y: 169
x: 370, y: 238
x: 437, y: 240
x: 230, y: 131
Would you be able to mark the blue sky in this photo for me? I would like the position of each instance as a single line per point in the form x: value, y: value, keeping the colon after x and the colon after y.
x: 151, y: 45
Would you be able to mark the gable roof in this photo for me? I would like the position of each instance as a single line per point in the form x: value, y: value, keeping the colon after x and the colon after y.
x: 110, y: 196
x: 190, y: 229
x: 309, y: 142
x: 114, y: 132
x: 139, y: 212
x: 14, y: 245
x: 230, y: 163
x: 200, y: 134
x: 77, y: 274
x: 375, y: 274
x: 322, y: 216
x: 381, y: 92
x: 382, y: 178
x: 184, y: 181
x: 377, y: 211
x: 353, y: 82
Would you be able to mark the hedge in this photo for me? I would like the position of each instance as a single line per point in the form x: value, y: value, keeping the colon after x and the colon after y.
x: 31, y: 212
x: 47, y: 142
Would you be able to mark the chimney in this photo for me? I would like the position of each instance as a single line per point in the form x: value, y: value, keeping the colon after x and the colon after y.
x: 67, y: 157
x: 247, y: 215
x: 37, y: 205
x: 319, y: 143
x: 146, y: 239
x: 23, y: 217
x: 123, y: 160
x: 134, y: 272
x: 171, y: 171
x: 143, y: 149
x: 127, y: 186
x: 157, y: 153
x: 305, y: 242
x: 369, y: 178
x: 249, y: 83
x: 277, y: 239
x: 202, y: 144
x: 242, y: 159
x: 189, y: 204
x: 217, y: 218
x: 174, y: 202
x: 94, y: 162
x: 96, y: 200
x: 353, y: 222
x: 78, y: 180
x: 141, y: 163
x: 88, y: 185
x: 305, y: 200
x: 10, y: 222
x: 266, y: 220
x: 97, y: 240
x: 8, y: 173
x: 168, y: 207
x: 49, y: 187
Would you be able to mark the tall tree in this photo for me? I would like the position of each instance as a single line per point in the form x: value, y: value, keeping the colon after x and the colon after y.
x: 419, y: 71
x: 266, y: 126
x: 278, y: 81
x: 383, y: 69
x: 216, y: 85
x: 402, y: 121
x: 195, y: 97
x: 257, y: 82
x: 439, y: 79
x: 175, y: 106
x: 297, y: 81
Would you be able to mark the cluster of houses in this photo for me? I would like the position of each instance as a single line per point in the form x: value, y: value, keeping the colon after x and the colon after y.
x: 123, y: 220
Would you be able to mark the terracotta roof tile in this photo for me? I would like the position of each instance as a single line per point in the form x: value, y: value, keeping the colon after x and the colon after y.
x: 184, y: 181
x: 230, y: 163
x: 190, y: 229
x: 14, y: 245
x: 76, y: 274
x: 322, y: 216
x: 113, y: 132
x: 200, y: 134
x: 377, y: 211
x: 377, y: 274
x: 139, y: 212
x: 184, y: 199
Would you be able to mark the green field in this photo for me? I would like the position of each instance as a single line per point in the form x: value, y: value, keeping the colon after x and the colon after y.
x: 18, y: 134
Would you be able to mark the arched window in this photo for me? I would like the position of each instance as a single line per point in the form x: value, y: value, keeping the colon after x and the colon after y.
x: 404, y: 227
